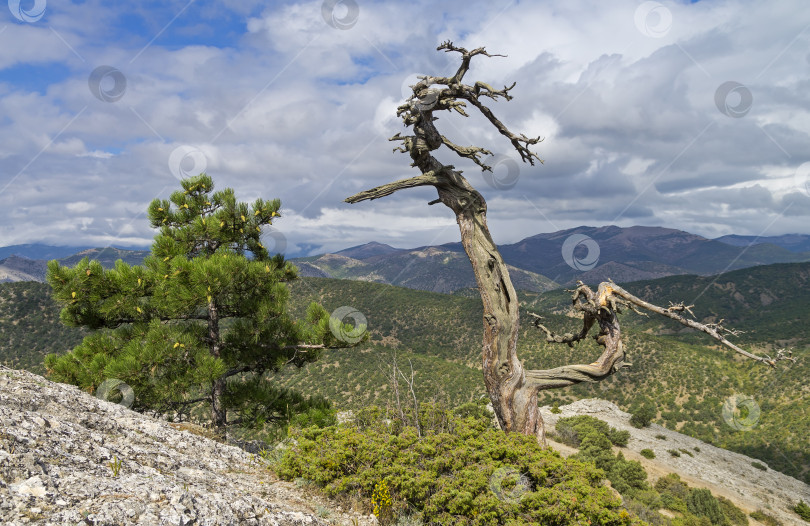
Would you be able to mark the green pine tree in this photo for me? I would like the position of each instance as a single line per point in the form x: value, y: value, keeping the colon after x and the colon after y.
x: 201, y: 320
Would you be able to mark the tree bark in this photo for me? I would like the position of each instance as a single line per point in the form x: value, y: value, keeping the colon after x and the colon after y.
x: 218, y: 414
x: 513, y: 399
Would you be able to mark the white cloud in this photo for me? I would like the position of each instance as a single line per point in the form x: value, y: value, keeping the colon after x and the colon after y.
x: 287, y: 106
x: 79, y: 206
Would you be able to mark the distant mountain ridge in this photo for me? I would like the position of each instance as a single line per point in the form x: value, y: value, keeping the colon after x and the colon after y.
x: 435, y: 268
x: 39, y: 251
x: 654, y: 251
x: 21, y: 268
x: 537, y: 263
x: 792, y: 242
x: 107, y: 256
x: 369, y: 250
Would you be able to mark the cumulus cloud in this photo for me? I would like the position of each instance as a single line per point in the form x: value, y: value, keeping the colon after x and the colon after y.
x: 641, y: 125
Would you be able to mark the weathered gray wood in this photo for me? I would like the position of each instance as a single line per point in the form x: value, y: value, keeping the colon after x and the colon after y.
x: 512, y: 390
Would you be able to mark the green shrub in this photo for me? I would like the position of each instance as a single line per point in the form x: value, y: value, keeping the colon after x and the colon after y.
x: 619, y: 438
x: 674, y: 452
x: 702, y: 503
x: 802, y: 510
x: 766, y: 519
x: 594, y: 438
x: 572, y: 429
x: 597, y: 448
x: 432, y: 417
x: 674, y: 492
x: 735, y: 515
x: 691, y: 520
x: 647, y: 453
x: 671, y: 502
x: 659, y: 436
x: 643, y: 415
x: 468, y: 474
x: 759, y: 466
x: 627, y: 476
x: 555, y: 409
x: 648, y: 497
x: 315, y: 416
x: 648, y: 512
x: 477, y: 410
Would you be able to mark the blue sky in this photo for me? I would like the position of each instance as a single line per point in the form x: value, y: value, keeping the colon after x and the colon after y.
x: 679, y: 114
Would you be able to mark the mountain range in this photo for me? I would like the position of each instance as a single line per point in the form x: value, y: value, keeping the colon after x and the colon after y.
x: 18, y: 267
x: 547, y: 261
x: 538, y: 263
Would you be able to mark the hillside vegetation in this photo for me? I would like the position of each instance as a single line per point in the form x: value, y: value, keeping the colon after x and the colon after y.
x: 30, y: 326
x: 686, y: 377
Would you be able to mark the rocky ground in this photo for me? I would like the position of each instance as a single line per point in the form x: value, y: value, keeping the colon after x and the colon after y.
x: 725, y: 473
x: 59, y: 448
x: 67, y: 457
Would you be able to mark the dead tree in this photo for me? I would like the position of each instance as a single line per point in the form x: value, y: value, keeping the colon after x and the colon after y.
x: 512, y: 389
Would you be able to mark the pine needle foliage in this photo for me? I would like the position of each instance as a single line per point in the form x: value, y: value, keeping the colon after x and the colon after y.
x: 201, y: 320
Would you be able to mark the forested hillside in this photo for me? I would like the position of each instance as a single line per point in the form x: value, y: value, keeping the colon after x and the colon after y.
x: 30, y: 326
x: 683, y: 373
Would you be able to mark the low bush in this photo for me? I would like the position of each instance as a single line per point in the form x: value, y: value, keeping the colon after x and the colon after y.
x: 647, y: 453
x: 573, y: 429
x: 698, y: 506
x: 802, y: 510
x: 315, y: 416
x: 647, y: 512
x: 702, y: 503
x: 735, y: 515
x: 673, y: 491
x: 766, y: 519
x: 469, y: 473
x: 643, y: 415
x: 595, y: 440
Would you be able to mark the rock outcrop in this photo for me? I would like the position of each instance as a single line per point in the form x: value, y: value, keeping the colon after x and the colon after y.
x: 59, y: 448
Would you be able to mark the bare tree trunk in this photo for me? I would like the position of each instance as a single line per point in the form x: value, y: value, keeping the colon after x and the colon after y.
x: 393, y: 378
x: 413, y: 397
x: 512, y: 390
x: 513, y: 399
